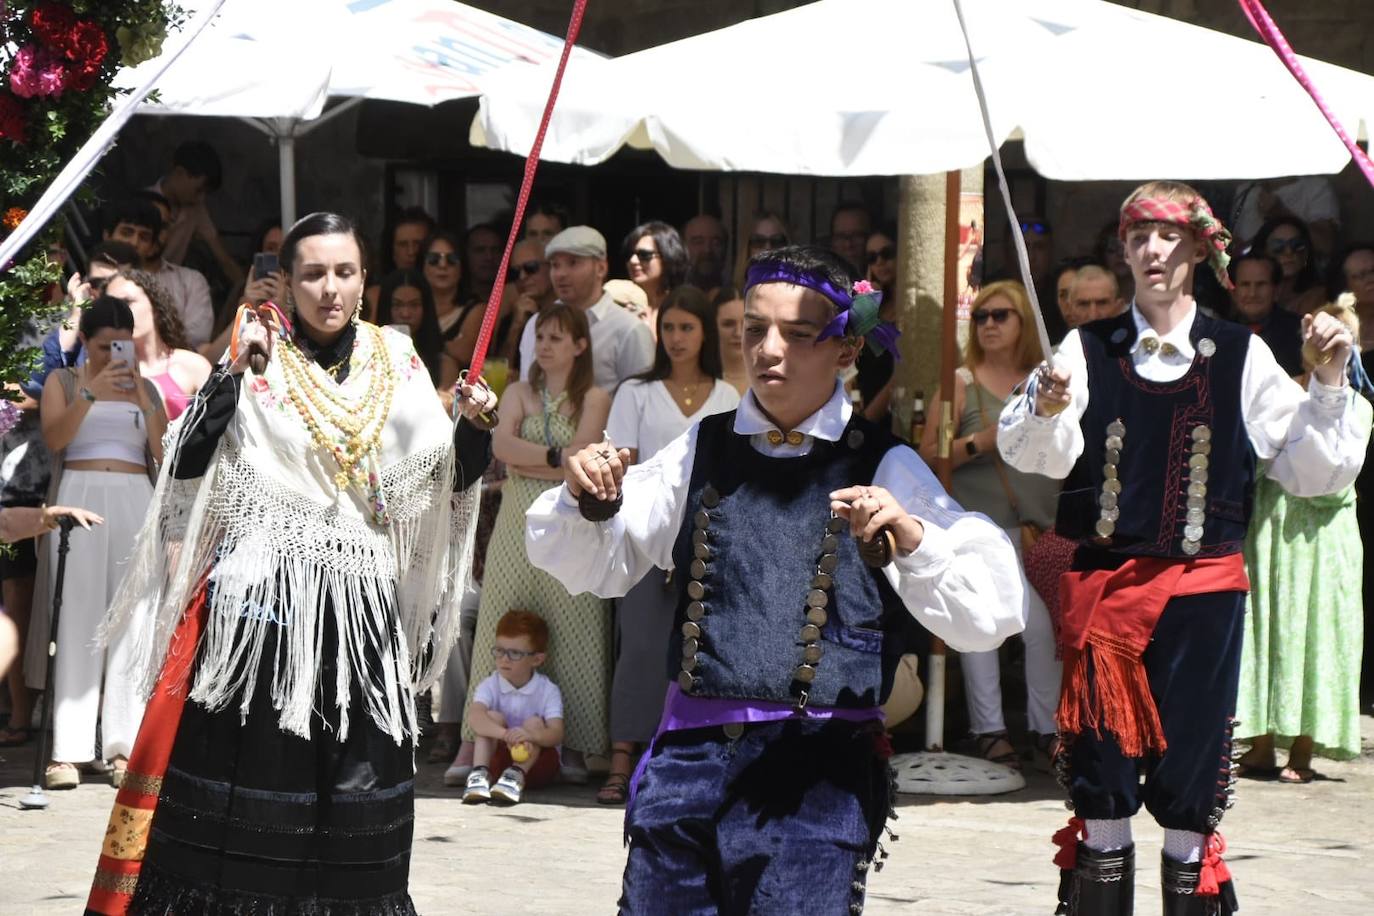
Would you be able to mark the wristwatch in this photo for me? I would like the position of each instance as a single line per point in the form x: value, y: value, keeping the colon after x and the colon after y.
x: 87, y: 394
x: 971, y: 447
x: 554, y: 456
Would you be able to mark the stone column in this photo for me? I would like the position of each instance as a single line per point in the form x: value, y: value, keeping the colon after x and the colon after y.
x: 920, y: 291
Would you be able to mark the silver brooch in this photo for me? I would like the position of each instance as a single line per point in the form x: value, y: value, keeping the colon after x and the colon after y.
x: 1206, y: 347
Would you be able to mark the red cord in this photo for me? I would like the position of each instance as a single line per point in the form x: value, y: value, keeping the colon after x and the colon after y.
x: 479, y: 351
x: 1264, y: 24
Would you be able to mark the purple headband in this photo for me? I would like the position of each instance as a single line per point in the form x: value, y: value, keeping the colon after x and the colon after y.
x: 858, y: 312
x: 773, y: 272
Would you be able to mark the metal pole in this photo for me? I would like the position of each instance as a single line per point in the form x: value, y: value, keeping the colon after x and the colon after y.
x: 286, y: 168
x: 36, y: 799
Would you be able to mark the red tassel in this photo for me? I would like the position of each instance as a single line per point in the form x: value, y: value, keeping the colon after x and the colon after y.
x: 882, y: 745
x: 1066, y: 838
x: 1214, y: 871
x: 1118, y: 698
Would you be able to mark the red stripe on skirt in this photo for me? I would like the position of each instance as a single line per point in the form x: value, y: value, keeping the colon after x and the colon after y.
x: 126, y: 837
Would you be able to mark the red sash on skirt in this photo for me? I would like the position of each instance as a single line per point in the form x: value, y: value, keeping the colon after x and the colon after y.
x: 126, y: 837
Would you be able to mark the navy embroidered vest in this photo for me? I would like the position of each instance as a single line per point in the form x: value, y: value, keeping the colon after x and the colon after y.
x: 1167, y: 468
x: 774, y: 601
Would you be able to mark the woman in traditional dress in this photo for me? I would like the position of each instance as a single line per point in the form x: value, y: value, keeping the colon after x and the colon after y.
x: 304, y: 558
x: 1304, y: 627
x: 544, y: 420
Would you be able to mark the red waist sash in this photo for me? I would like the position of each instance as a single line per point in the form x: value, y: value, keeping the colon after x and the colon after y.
x: 1109, y: 616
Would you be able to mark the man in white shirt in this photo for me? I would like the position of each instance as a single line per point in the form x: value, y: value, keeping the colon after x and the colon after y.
x: 801, y: 537
x: 622, y: 345
x: 188, y: 287
x: 1157, y: 418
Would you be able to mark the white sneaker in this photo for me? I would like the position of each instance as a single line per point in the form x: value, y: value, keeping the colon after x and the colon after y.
x: 509, y: 787
x: 478, y: 790
x: 457, y: 774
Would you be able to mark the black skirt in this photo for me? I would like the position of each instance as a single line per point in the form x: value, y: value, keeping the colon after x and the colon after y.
x: 252, y: 819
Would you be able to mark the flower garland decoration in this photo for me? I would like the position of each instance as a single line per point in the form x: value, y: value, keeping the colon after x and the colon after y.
x: 58, y: 61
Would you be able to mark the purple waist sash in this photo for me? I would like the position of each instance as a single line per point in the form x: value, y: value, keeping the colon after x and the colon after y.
x: 681, y: 712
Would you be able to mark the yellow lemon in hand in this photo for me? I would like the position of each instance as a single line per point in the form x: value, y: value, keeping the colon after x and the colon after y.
x: 520, y: 752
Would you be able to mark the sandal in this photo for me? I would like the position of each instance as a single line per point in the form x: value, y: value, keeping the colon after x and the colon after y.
x: 61, y: 776
x: 1297, y: 776
x: 11, y: 736
x: 616, y: 790
x: 995, y: 747
x: 1045, y: 750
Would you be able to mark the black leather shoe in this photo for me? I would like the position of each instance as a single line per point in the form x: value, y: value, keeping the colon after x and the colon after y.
x: 1101, y: 884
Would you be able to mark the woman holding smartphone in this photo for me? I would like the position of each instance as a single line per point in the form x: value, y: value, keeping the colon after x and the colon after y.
x: 104, y: 423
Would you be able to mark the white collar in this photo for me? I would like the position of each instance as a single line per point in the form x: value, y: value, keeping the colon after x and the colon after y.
x: 828, y: 423
x: 508, y: 688
x: 600, y: 307
x: 1178, y: 336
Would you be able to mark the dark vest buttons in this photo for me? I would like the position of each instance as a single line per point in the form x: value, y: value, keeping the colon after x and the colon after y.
x: 697, y: 570
x: 804, y: 673
x: 687, y: 682
x: 830, y: 544
x: 709, y: 497
x: 811, y: 654
x: 817, y: 598
x: 699, y: 538
x: 836, y: 525
x: 828, y: 563
x: 816, y: 617
x: 822, y: 580
x: 689, y: 664
x: 702, y: 552
x: 696, y: 591
x: 855, y: 439
x: 690, y: 646
x: 702, y: 520
x: 696, y: 610
x: 690, y: 629
x: 810, y: 633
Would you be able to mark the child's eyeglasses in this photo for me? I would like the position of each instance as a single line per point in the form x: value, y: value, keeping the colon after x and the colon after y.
x: 514, y: 655
x: 435, y: 258
x: 998, y: 316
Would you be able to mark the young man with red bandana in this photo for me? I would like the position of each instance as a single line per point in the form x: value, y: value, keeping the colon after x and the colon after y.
x: 1156, y: 419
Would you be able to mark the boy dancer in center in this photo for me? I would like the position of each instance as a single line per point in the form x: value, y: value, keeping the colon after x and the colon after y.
x: 1156, y: 418
x: 767, y: 788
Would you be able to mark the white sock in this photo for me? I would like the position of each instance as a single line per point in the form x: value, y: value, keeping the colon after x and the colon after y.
x: 1108, y: 836
x: 1183, y: 845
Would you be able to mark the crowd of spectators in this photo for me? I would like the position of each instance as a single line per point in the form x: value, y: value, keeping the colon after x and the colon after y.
x: 636, y: 343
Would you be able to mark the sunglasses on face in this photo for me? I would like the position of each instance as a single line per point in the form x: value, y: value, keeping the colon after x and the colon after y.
x: 435, y: 258
x: 527, y: 269
x: 514, y: 655
x: 886, y: 253
x: 1279, y: 246
x: 645, y: 255
x: 998, y: 316
x: 767, y: 241
x: 1036, y: 227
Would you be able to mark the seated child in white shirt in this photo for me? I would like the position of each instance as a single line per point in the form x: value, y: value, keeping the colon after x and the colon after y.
x: 517, y: 714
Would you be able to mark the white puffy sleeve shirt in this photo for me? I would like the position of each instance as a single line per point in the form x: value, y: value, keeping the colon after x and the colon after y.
x: 1311, y: 438
x: 963, y: 583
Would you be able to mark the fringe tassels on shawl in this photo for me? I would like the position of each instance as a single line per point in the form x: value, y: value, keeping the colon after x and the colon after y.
x: 279, y: 561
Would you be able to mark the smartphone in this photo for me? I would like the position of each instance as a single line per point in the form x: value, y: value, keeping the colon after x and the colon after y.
x: 264, y: 264
x: 123, y: 351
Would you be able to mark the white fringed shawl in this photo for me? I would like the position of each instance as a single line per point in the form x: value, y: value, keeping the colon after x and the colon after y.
x: 283, y: 546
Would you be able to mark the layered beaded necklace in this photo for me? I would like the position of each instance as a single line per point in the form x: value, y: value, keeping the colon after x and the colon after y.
x: 348, y: 429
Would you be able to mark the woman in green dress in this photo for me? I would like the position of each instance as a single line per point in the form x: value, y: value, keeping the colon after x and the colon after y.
x: 555, y: 413
x: 1300, y: 669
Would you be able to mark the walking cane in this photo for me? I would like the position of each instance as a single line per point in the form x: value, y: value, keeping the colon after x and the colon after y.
x: 36, y: 798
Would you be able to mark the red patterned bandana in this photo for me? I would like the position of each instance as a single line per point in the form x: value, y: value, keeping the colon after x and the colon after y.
x: 1196, y: 216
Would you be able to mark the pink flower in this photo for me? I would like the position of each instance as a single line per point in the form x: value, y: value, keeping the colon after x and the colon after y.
x: 258, y: 384
x: 37, y: 72
x: 863, y: 287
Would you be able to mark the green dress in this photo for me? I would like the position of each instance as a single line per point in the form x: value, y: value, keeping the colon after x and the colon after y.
x: 1300, y: 667
x: 579, y: 657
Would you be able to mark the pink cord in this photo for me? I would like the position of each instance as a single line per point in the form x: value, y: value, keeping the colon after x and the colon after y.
x: 1264, y: 24
x: 479, y: 350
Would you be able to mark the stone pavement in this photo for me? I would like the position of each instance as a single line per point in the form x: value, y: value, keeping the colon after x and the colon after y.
x: 1293, y: 849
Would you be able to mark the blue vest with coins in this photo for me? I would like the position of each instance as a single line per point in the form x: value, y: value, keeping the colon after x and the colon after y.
x: 1167, y: 468
x: 775, y: 602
